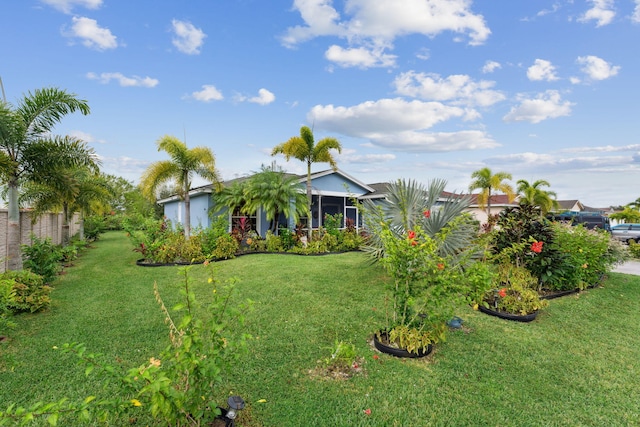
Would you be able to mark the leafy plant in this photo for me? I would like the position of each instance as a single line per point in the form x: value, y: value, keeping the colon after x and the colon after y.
x: 7, y: 297
x: 274, y: 243
x: 30, y: 293
x: 226, y: 247
x: 42, y: 257
x: 517, y: 293
x: 343, y: 355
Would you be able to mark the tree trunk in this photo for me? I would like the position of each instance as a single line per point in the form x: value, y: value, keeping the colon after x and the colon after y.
x: 187, y: 213
x: 65, y: 225
x: 309, y: 217
x: 14, y: 250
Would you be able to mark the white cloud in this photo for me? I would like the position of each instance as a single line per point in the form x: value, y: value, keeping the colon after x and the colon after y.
x: 603, y: 149
x: 123, y: 80
x: 188, y: 39
x: 597, y: 68
x: 375, y: 25
x: 349, y: 155
x: 547, y: 105
x: 67, y: 5
x: 93, y: 36
x: 542, y: 70
x: 264, y: 97
x: 361, y: 57
x: 636, y: 13
x: 459, y: 89
x: 602, y: 12
x: 84, y: 136
x: 490, y: 67
x: 207, y: 94
x: 400, y: 125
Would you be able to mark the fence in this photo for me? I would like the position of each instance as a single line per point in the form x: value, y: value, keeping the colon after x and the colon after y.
x: 48, y: 225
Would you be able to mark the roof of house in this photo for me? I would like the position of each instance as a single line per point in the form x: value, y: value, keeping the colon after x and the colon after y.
x: 495, y: 199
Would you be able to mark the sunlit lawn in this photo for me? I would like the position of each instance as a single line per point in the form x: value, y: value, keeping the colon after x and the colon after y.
x: 576, y: 365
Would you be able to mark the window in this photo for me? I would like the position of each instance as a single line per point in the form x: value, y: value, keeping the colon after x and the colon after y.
x: 250, y: 221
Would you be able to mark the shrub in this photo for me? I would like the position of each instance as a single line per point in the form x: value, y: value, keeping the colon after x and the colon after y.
x: 274, y: 243
x: 94, y: 226
x: 30, y: 293
x: 42, y: 257
x: 634, y: 249
x: 287, y: 237
x: 6, y: 300
x: 588, y: 254
x: 226, y: 247
x: 209, y: 236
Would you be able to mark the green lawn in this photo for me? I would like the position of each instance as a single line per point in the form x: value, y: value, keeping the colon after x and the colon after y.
x: 578, y: 364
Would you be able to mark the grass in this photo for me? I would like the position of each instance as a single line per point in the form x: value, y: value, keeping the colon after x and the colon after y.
x: 577, y: 364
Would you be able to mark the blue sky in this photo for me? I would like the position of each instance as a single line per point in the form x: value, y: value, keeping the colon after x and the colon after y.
x: 416, y: 89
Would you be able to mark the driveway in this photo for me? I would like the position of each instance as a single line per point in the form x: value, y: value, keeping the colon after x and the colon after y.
x: 629, y: 267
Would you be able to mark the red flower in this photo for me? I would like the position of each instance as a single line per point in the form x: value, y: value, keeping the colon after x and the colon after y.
x: 413, y: 243
x: 367, y: 411
x: 375, y: 357
x: 440, y: 266
x: 426, y: 213
x: 411, y: 235
x: 537, y: 247
x: 502, y: 292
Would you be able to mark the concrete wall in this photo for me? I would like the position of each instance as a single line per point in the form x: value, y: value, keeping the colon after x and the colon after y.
x: 48, y: 225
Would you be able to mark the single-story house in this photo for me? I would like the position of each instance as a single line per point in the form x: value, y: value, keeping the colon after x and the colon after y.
x: 332, y: 192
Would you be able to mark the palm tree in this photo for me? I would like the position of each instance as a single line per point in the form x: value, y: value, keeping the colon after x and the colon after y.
x: 180, y: 169
x: 485, y: 181
x: 30, y: 153
x: 304, y: 149
x: 409, y: 203
x: 275, y: 193
x: 534, y: 195
x: 71, y: 190
x: 635, y: 204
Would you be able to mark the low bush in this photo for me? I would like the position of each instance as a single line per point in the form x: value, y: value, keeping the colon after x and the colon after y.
x: 30, y: 293
x: 42, y: 257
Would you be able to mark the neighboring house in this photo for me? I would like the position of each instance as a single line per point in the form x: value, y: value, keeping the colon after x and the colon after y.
x: 570, y: 205
x: 332, y: 192
x: 499, y: 202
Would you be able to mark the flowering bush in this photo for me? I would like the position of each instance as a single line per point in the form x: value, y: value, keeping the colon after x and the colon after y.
x: 588, y: 253
x: 426, y: 288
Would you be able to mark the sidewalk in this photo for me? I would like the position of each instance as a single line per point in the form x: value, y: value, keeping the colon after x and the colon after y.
x: 629, y: 267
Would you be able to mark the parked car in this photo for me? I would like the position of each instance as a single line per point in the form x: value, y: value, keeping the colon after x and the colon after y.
x: 626, y: 232
x: 590, y: 220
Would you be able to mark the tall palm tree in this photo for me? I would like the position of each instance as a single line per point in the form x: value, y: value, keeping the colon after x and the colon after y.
x: 534, y: 195
x: 486, y: 181
x: 304, y: 149
x: 180, y: 169
x: 71, y: 190
x: 30, y: 153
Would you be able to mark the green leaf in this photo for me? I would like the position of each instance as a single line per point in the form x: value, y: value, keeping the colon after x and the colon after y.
x: 52, y: 419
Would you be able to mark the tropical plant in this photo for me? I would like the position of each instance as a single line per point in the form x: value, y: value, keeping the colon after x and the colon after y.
x: 629, y: 214
x: 184, y: 164
x: 534, y: 195
x: 306, y: 150
x: 30, y: 293
x: 486, y: 181
x: 275, y: 193
x: 427, y: 287
x: 70, y: 190
x: 30, y: 153
x: 409, y: 203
